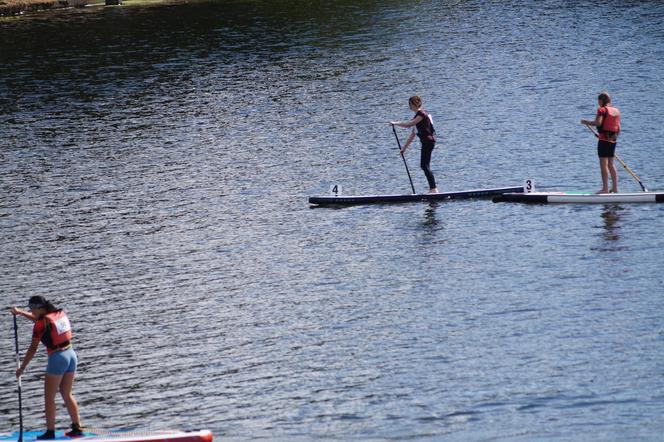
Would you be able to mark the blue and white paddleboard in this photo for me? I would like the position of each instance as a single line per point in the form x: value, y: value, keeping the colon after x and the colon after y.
x: 580, y: 198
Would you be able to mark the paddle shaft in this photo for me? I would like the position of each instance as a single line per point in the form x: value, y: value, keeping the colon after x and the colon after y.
x: 20, y: 400
x: 404, y: 159
x: 624, y: 165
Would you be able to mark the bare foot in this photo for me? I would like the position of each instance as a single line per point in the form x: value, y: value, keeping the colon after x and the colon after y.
x: 614, y: 190
x: 434, y: 190
x: 602, y: 191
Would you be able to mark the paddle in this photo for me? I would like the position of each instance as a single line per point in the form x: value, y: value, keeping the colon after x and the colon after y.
x: 624, y: 165
x: 20, y: 401
x: 404, y: 159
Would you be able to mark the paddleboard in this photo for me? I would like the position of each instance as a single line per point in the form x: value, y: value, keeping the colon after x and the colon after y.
x: 343, y: 200
x: 580, y: 198
x: 119, y: 436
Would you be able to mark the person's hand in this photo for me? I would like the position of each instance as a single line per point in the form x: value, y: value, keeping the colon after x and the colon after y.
x: 14, y: 310
x: 19, y: 372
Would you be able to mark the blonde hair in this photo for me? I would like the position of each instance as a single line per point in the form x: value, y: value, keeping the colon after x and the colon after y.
x: 415, y: 101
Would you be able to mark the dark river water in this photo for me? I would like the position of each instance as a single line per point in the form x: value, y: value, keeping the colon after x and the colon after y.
x: 155, y: 164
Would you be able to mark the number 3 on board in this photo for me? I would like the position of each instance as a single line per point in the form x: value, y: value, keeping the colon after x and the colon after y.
x: 335, y: 189
x: 528, y: 186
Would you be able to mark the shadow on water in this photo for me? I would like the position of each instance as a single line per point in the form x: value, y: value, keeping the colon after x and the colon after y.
x: 239, y: 28
x: 135, y: 49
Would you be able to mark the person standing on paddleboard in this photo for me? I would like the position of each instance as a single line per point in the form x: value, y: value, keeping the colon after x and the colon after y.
x: 422, y: 125
x: 607, y: 122
x: 52, y: 328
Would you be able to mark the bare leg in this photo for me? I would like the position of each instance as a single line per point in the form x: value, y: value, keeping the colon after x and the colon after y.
x: 51, y: 385
x: 65, y: 391
x: 614, y: 175
x: 604, y: 169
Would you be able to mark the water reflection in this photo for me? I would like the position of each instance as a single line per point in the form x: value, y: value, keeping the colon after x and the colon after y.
x: 611, y: 225
x: 432, y: 227
x: 430, y: 219
x: 611, y: 218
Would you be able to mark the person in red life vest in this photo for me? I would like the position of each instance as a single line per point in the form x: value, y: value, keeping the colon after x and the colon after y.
x: 52, y: 328
x: 422, y: 125
x: 607, y: 122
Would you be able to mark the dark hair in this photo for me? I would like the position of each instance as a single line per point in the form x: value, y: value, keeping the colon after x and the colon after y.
x: 605, y: 98
x: 41, y: 302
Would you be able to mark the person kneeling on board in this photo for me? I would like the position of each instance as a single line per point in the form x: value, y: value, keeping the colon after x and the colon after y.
x: 607, y: 122
x: 52, y: 328
x: 422, y: 125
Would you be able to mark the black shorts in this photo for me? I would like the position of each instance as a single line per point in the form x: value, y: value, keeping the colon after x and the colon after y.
x: 606, y: 149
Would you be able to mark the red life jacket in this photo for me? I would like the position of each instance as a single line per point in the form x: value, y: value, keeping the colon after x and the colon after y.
x: 58, y: 329
x: 610, y: 127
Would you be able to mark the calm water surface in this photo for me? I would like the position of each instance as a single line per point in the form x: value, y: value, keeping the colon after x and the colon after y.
x: 155, y: 164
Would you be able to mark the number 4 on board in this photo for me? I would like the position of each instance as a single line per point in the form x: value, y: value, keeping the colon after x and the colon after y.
x: 335, y: 189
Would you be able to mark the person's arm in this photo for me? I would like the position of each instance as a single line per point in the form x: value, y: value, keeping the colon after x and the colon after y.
x: 28, y: 357
x: 407, y: 124
x: 25, y: 314
x: 408, y: 141
x: 599, y: 119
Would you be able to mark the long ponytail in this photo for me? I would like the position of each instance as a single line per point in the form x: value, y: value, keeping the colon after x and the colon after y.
x: 41, y: 302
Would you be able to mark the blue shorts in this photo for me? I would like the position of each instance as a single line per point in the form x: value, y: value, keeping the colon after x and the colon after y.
x: 61, y: 362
